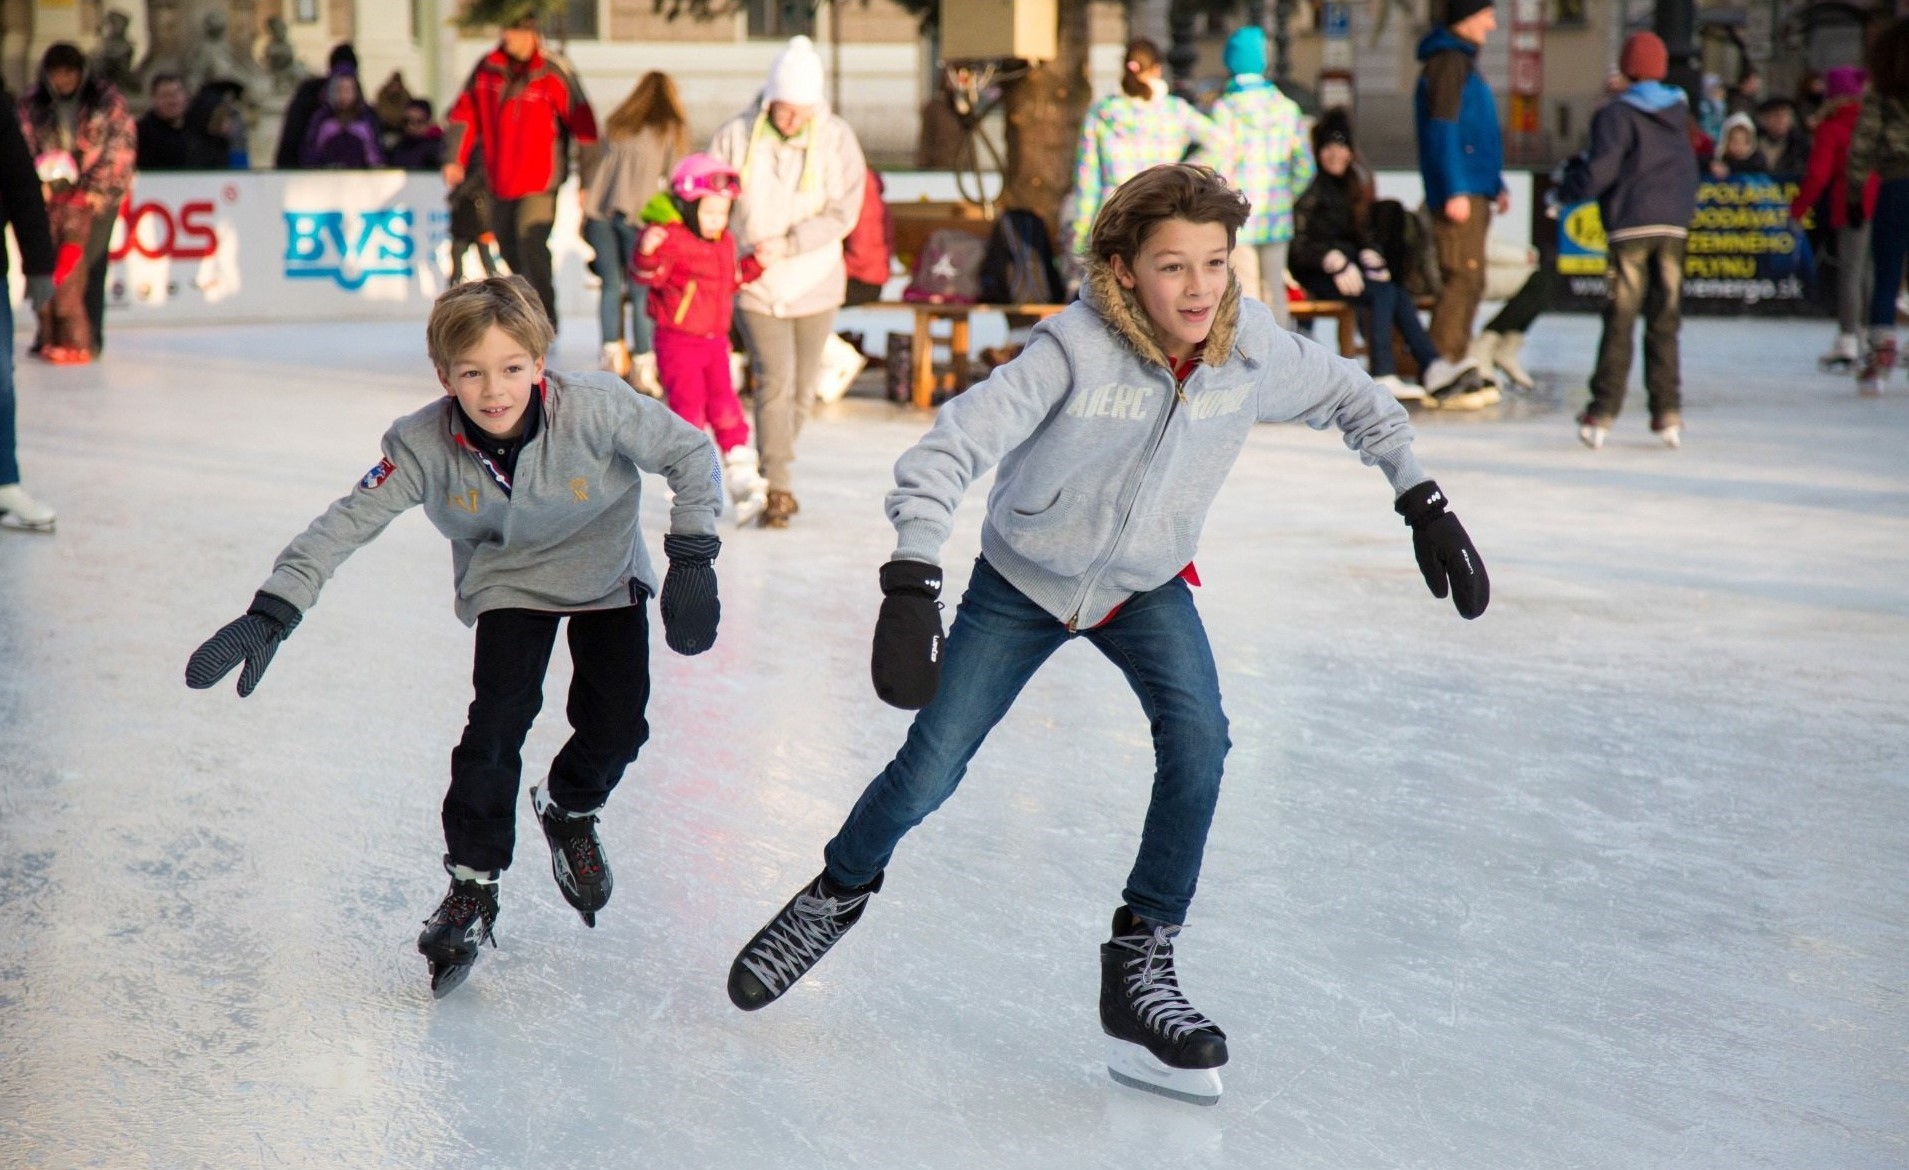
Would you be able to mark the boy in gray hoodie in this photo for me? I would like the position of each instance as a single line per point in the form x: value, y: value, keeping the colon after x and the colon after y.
x: 1113, y: 432
x: 534, y: 478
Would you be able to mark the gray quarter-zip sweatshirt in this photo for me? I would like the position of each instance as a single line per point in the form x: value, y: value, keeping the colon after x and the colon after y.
x: 564, y: 538
x: 1107, y: 468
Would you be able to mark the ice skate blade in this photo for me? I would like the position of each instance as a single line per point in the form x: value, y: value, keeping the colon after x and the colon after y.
x: 12, y: 523
x: 448, y: 977
x: 589, y: 918
x: 1135, y: 1067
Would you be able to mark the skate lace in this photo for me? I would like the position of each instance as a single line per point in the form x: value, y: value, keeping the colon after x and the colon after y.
x: 459, y: 907
x: 798, y: 938
x: 1154, y: 987
x: 579, y: 843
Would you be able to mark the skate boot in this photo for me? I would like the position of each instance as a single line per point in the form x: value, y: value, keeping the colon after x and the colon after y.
x: 1669, y: 430
x: 459, y: 926
x: 748, y: 491
x: 1876, y: 366
x: 643, y: 377
x: 1510, y: 345
x: 1483, y: 354
x: 1157, y: 1041
x: 1458, y: 386
x: 781, y: 506
x: 1592, y: 430
x: 21, y: 511
x: 616, y: 359
x: 1400, y: 389
x: 576, y: 856
x: 795, y: 940
x: 1843, y: 355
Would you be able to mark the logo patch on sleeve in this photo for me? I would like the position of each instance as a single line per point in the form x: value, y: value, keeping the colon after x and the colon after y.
x: 377, y: 475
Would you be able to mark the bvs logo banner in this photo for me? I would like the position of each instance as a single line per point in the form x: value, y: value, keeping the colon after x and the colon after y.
x: 349, y: 248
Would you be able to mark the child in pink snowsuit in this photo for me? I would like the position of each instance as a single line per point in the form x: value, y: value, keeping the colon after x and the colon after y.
x: 689, y: 260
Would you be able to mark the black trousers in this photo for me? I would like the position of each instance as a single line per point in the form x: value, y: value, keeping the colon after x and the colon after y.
x: 522, y: 227
x: 609, y: 689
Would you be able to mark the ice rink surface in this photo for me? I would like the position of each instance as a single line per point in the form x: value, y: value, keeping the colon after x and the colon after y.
x: 1613, y: 877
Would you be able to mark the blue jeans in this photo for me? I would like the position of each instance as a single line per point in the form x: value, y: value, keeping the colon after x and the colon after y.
x: 614, y: 241
x: 1888, y: 248
x: 9, y: 466
x: 999, y: 639
x: 1392, y: 308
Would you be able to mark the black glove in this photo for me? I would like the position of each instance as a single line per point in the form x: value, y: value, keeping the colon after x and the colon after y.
x: 252, y: 639
x: 906, y: 664
x: 690, y: 606
x: 1445, y: 554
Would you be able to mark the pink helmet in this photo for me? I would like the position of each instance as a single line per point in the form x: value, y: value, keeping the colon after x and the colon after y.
x: 704, y: 174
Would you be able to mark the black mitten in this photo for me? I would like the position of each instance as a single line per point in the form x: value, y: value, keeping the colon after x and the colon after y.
x: 1445, y: 554
x: 906, y: 664
x: 690, y: 605
x: 252, y: 639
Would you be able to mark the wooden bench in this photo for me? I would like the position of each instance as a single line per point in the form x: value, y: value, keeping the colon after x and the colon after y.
x: 1345, y: 313
x: 922, y: 350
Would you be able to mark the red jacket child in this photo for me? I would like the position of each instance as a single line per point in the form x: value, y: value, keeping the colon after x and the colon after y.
x: 1828, y: 154
x: 692, y: 280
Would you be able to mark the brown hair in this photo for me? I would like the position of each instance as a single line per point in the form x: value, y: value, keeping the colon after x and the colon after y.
x: 462, y: 316
x: 1889, y: 60
x: 653, y: 103
x: 1186, y: 191
x: 1142, y: 55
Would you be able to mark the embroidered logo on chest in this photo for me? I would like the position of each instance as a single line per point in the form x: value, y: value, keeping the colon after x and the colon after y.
x: 580, y: 488
x: 466, y: 502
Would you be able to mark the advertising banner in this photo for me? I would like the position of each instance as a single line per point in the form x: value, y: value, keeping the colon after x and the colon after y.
x: 214, y: 247
x: 1744, y: 255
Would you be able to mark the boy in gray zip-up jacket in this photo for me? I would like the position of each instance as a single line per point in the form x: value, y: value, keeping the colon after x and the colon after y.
x: 535, y: 479
x: 1113, y: 432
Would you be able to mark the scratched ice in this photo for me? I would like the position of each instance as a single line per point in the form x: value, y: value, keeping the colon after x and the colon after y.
x: 1612, y: 877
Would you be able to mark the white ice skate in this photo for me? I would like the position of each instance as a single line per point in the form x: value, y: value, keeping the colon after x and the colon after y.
x: 748, y: 491
x: 1399, y: 388
x: 1843, y: 355
x: 1132, y: 1065
x: 643, y: 377
x: 22, y: 512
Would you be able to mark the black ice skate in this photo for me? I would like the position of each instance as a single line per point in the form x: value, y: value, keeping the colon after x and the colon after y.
x: 795, y: 940
x: 1159, y: 1043
x: 576, y: 856
x: 460, y: 925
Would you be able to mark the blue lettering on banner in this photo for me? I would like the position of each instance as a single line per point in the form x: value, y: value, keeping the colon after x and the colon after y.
x: 328, y: 245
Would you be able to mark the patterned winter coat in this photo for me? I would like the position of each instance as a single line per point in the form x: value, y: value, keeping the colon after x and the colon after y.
x: 1880, y: 144
x: 1270, y: 162
x: 104, y: 142
x: 1123, y: 136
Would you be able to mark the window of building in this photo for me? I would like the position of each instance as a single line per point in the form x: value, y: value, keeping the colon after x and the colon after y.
x: 781, y: 18
x: 577, y: 21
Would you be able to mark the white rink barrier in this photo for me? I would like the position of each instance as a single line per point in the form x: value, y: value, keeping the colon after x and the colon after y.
x: 220, y: 247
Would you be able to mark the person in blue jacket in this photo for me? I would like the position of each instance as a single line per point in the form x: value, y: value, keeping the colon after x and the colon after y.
x: 1460, y: 153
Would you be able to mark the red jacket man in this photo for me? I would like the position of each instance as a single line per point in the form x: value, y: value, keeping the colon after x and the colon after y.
x: 522, y: 107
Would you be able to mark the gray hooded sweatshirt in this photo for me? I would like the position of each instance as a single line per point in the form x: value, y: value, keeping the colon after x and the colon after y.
x: 1107, y: 469
x: 564, y: 538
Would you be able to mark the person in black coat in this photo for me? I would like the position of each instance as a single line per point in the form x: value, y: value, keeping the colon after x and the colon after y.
x: 166, y: 141
x: 305, y: 104
x: 21, y: 206
x: 1335, y: 255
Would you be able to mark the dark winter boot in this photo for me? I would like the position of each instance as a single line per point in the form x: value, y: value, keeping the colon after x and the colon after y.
x: 459, y: 926
x: 1144, y: 1011
x: 576, y: 856
x: 795, y: 940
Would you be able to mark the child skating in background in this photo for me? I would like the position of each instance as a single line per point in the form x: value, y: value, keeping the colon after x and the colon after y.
x: 688, y: 259
x: 1112, y: 431
x: 534, y: 477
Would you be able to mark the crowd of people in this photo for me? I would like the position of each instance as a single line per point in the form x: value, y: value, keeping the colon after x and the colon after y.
x: 807, y: 210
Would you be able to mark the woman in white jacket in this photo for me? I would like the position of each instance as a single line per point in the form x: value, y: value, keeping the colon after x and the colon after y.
x: 802, y: 176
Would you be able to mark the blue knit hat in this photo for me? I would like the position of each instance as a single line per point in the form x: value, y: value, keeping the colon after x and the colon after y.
x: 1246, y: 51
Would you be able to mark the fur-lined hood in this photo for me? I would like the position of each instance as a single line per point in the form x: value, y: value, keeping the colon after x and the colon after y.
x: 1121, y: 310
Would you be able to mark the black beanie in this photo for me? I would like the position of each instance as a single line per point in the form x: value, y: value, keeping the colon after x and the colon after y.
x: 1332, y: 126
x: 1457, y: 10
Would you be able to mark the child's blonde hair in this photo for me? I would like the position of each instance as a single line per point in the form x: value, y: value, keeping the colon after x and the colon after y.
x: 1186, y: 191
x: 462, y: 316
